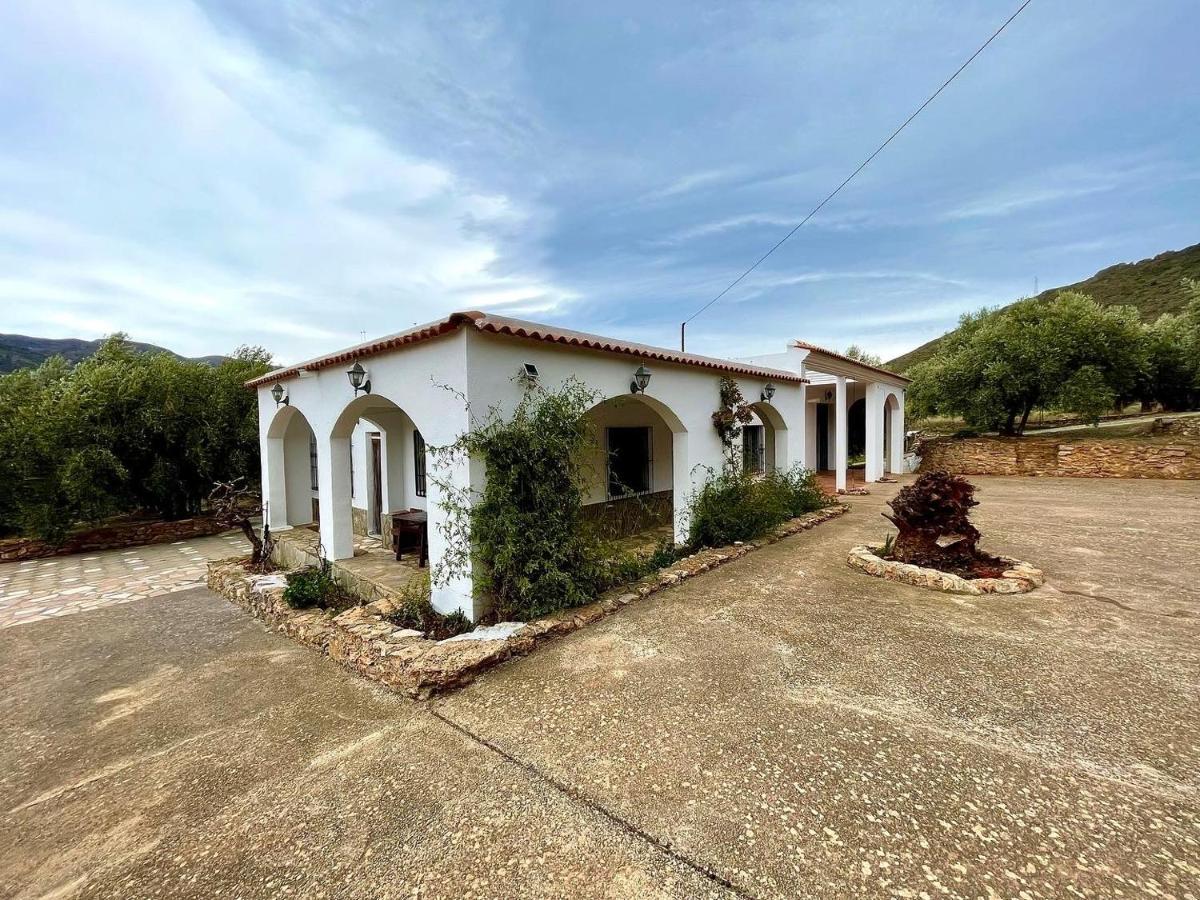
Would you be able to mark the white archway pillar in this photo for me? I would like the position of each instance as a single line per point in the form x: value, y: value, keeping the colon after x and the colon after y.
x: 681, y: 484
x: 841, y: 440
x: 274, y: 481
x: 333, y: 492
x: 876, y: 397
x: 896, y: 436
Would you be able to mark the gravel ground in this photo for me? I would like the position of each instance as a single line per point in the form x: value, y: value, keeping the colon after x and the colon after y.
x: 781, y: 727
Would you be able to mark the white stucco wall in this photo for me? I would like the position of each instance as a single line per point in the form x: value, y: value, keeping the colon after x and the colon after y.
x: 437, y: 385
x: 409, y: 379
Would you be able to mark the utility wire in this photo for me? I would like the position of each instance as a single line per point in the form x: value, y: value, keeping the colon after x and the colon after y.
x: 816, y: 209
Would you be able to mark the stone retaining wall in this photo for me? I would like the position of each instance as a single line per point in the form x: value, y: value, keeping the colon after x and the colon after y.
x: 112, y: 537
x: 1077, y: 458
x: 363, y: 641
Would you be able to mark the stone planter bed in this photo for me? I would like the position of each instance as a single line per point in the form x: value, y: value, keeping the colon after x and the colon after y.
x: 363, y: 641
x: 1018, y: 578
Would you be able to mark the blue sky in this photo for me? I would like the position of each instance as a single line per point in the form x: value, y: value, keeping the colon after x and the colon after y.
x: 204, y: 174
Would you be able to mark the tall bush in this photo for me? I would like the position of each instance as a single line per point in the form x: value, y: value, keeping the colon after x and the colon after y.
x: 736, y: 506
x: 120, y: 432
x: 530, y: 550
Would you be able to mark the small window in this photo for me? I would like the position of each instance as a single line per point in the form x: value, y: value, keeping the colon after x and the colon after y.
x: 419, y: 462
x: 628, y: 461
x: 312, y: 462
x: 754, y: 449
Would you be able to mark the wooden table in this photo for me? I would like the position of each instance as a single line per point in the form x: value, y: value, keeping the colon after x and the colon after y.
x: 410, y: 531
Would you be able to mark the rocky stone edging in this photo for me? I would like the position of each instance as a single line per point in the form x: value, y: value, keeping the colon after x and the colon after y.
x: 112, y: 537
x: 1018, y: 578
x: 364, y: 642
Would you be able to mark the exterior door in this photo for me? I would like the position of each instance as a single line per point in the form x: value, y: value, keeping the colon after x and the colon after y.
x: 376, y: 506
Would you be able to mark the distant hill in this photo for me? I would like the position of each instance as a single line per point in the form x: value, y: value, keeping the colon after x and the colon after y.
x: 1152, y: 285
x: 18, y: 351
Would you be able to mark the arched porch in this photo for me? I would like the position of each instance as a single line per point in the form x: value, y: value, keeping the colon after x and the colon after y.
x: 376, y: 467
x: 290, y: 461
x: 637, y: 466
x: 764, y: 440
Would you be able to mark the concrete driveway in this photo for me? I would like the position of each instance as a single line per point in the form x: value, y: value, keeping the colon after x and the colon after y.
x: 781, y: 727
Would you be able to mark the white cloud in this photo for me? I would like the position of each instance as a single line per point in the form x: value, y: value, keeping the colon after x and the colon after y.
x: 175, y: 183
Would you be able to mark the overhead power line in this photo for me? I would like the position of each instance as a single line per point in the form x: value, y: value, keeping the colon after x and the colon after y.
x: 866, y: 162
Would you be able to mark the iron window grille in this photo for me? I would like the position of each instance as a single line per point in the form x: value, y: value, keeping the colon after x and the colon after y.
x: 419, y: 463
x: 630, y: 460
x: 312, y: 462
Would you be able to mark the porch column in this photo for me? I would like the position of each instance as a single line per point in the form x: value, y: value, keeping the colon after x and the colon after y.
x: 333, y: 492
x: 450, y: 480
x: 896, y: 457
x: 840, y: 442
x: 274, y: 482
x: 874, y: 433
x: 681, y: 484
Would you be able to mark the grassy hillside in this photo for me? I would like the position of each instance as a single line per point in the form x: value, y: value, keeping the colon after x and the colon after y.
x: 18, y: 351
x: 1152, y: 285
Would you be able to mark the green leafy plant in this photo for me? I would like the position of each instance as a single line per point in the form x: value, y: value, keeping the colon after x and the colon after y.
x: 122, y: 432
x: 313, y: 586
x: 415, y: 611
x: 734, y: 506
x: 888, y: 547
x: 623, y: 568
x: 524, y: 537
x: 730, y: 415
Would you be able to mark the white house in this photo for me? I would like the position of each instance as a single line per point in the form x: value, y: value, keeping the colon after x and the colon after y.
x: 346, y: 457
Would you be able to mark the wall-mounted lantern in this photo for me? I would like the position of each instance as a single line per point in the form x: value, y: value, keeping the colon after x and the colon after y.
x: 828, y: 396
x: 280, y: 395
x: 358, y: 379
x: 529, y: 373
x: 641, y: 378
x: 768, y: 392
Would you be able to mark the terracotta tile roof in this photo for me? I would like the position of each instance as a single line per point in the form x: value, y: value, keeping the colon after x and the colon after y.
x: 517, y: 328
x: 805, y: 345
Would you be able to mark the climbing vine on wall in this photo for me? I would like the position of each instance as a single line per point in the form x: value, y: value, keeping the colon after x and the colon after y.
x: 523, y: 536
x: 731, y: 414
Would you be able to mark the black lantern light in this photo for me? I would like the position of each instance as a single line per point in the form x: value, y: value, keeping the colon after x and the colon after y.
x: 641, y: 378
x: 358, y: 379
x: 281, y: 397
x: 768, y: 392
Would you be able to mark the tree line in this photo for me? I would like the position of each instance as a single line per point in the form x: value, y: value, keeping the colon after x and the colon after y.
x: 1069, y: 353
x: 123, y: 432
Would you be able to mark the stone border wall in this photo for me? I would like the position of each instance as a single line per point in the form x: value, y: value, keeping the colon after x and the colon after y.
x: 1018, y: 578
x: 364, y: 642
x: 1078, y: 458
x: 113, y: 537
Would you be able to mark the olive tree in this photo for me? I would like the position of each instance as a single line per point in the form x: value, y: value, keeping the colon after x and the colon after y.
x: 1002, y: 363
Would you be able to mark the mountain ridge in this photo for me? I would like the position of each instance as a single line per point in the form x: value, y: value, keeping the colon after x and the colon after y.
x: 1153, y: 285
x: 21, y: 351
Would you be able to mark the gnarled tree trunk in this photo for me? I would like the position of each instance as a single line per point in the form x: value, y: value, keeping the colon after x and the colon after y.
x: 931, y: 515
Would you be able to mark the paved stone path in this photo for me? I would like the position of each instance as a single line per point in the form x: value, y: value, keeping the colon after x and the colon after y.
x: 61, y: 585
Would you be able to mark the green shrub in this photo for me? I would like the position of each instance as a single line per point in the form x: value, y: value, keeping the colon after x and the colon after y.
x: 529, y: 548
x: 627, y: 567
x: 416, y: 612
x: 314, y: 586
x: 736, y: 506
